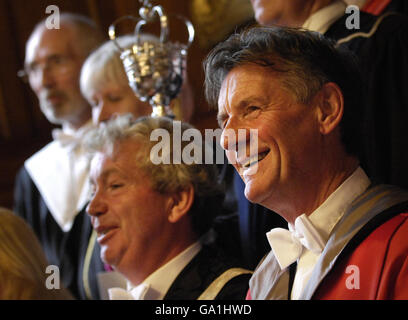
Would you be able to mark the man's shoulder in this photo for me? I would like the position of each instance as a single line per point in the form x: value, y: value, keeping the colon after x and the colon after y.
x: 374, y: 258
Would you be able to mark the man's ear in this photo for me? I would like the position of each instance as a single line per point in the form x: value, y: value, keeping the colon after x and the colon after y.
x: 181, y: 204
x: 330, y: 107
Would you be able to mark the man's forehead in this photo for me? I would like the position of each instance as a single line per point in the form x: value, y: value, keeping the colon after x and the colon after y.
x: 103, y: 166
x: 240, y: 82
x: 241, y: 76
x: 45, y: 42
x: 123, y: 153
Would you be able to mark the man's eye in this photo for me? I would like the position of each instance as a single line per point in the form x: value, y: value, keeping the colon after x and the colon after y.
x: 252, y: 109
x: 115, y: 186
x: 114, y: 98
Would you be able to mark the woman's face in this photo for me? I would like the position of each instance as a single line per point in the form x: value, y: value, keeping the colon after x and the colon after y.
x: 112, y: 98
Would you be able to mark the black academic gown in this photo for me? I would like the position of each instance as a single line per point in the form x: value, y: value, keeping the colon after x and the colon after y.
x: 205, y: 267
x: 400, y: 6
x: 383, y: 59
x: 67, y: 250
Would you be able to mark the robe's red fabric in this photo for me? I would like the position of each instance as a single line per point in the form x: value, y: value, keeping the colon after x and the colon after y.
x: 379, y: 265
x: 376, y: 270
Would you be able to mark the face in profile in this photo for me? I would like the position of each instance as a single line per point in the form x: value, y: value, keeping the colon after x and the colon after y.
x: 113, y: 98
x: 53, y: 63
x: 253, y: 97
x: 130, y: 218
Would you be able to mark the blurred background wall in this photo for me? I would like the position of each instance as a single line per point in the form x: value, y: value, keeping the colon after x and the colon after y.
x: 23, y: 128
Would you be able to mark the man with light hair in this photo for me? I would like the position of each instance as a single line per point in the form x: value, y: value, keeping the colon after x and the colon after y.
x: 52, y: 188
x: 152, y: 219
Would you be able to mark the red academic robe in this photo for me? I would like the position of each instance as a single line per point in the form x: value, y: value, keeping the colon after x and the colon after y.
x: 377, y: 269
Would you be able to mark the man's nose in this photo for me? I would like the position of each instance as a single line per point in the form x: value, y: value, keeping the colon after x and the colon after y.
x: 234, y: 139
x: 96, y: 206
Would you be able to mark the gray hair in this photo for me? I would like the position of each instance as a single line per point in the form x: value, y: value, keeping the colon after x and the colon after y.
x: 165, y: 178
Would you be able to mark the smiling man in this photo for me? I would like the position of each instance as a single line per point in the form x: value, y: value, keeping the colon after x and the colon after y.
x: 380, y: 44
x: 151, y: 219
x: 302, y: 95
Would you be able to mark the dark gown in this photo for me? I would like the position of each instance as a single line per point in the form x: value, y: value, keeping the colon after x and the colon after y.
x: 383, y: 60
x: 67, y: 250
x: 397, y: 6
x: 205, y: 267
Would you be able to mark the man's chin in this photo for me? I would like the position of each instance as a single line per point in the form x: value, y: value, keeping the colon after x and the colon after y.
x: 106, y: 257
x: 52, y: 113
x: 251, y: 193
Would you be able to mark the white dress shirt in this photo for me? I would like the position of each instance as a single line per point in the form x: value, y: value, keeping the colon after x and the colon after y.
x: 324, y: 218
x: 322, y: 19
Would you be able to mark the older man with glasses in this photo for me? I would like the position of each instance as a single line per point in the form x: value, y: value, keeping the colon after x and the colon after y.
x: 52, y: 188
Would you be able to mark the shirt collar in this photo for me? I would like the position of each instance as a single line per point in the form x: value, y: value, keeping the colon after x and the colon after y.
x: 322, y: 19
x: 160, y: 280
x: 326, y: 216
x: 68, y: 136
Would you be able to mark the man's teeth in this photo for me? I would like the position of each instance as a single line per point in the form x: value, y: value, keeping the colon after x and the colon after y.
x: 254, y: 159
x: 105, y: 231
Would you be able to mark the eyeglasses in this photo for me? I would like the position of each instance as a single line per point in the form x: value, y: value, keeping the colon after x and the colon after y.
x: 55, y: 65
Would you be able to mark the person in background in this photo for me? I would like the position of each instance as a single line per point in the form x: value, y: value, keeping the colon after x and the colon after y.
x: 347, y: 236
x: 105, y: 85
x: 152, y: 218
x: 52, y: 188
x: 23, y: 264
